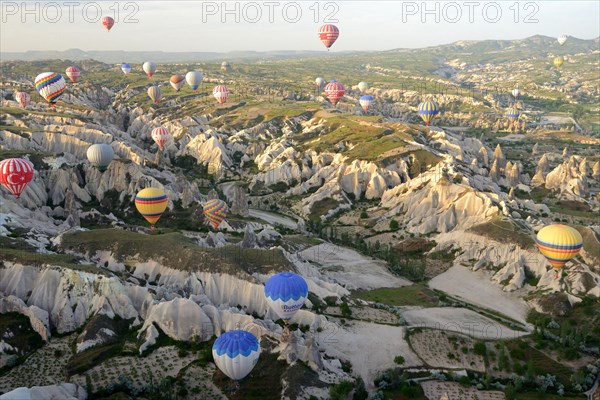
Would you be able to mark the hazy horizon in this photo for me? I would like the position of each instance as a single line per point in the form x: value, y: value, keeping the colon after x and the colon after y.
x: 195, y: 26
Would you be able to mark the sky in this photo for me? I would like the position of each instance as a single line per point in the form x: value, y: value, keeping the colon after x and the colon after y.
x: 223, y: 26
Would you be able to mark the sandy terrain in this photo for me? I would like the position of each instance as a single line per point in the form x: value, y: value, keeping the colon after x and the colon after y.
x: 455, y: 391
x: 476, y: 287
x: 369, y: 347
x: 439, y: 349
x: 351, y: 269
x: 460, y: 320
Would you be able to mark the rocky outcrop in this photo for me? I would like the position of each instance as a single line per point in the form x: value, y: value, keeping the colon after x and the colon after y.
x: 567, y: 179
x: 60, y: 391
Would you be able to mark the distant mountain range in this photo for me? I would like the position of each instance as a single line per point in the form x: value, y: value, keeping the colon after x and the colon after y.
x: 535, y: 45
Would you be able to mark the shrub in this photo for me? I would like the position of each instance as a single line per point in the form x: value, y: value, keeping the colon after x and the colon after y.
x: 394, y: 225
x: 364, y: 214
x: 399, y: 360
x: 341, y: 390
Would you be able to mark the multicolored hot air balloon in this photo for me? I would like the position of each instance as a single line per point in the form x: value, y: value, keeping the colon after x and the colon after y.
x: 108, y: 22
x: 100, y: 155
x: 149, y: 68
x: 194, y: 79
x: 177, y: 81
x: 428, y: 110
x: 562, y: 39
x: 51, y: 86
x: 22, y: 98
x: 220, y: 92
x: 225, y: 66
x: 73, y: 73
x: 126, y: 68
x: 334, y: 91
x: 286, y: 293
x: 151, y: 203
x: 362, y: 86
x: 155, y: 93
x: 366, y: 101
x: 559, y: 243
x: 328, y: 34
x: 15, y: 174
x: 161, y: 136
x: 236, y: 353
x: 215, y: 211
x: 558, y: 62
x: 320, y: 83
x: 512, y: 114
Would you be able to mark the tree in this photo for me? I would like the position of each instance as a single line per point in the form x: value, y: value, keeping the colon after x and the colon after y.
x: 510, y: 392
x: 394, y: 225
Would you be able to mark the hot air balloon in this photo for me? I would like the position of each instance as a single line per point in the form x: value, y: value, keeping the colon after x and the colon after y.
x: 155, y: 93
x: 512, y: 114
x: 236, y: 353
x: 161, y: 136
x: 428, y: 110
x: 221, y: 92
x: 215, y: 211
x: 334, y: 91
x: 194, y: 79
x: 149, y: 68
x: 22, y: 98
x: 73, y: 73
x: 100, y: 155
x: 328, y: 34
x: 558, y: 243
x: 558, y: 62
x: 225, y: 66
x: 365, y: 102
x: 177, y: 81
x: 562, y: 39
x: 151, y: 203
x: 15, y: 174
x: 516, y: 92
x: 126, y: 68
x: 320, y: 83
x: 51, y: 86
x: 108, y: 22
x: 362, y: 86
x: 286, y: 293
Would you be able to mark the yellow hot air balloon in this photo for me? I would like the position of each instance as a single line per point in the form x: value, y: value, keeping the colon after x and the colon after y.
x: 558, y: 62
x: 151, y: 203
x: 559, y: 243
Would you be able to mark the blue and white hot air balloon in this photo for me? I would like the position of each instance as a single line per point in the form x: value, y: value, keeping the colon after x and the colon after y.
x: 286, y: 293
x: 236, y: 353
x: 126, y: 68
x: 365, y: 102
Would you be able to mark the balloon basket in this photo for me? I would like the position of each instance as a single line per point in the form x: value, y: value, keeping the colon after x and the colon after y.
x: 152, y: 228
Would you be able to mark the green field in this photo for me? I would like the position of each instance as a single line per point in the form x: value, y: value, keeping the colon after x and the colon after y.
x: 413, y: 295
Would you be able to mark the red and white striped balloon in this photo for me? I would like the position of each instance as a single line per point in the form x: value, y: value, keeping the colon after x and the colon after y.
x: 328, y: 34
x: 73, y: 73
x: 161, y: 136
x: 334, y: 91
x: 107, y: 22
x: 15, y: 174
x: 22, y: 98
x: 221, y: 92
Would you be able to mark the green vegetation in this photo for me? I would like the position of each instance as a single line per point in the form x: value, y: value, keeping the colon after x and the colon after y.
x: 413, y: 295
x: 504, y: 231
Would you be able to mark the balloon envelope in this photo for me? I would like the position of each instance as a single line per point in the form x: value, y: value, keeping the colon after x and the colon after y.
x: 562, y: 39
x: 362, y: 86
x: 161, y: 136
x: 155, y: 94
x: 22, y: 98
x: 334, y: 91
x: 107, y: 22
x: 365, y: 102
x: 220, y: 92
x: 15, y: 174
x: 215, y: 211
x: 516, y: 92
x: 328, y: 34
x: 320, y: 82
x: 151, y: 203
x: 126, y: 68
x: 513, y: 113
x: 558, y: 61
x: 427, y: 111
x: 73, y: 73
x: 236, y: 353
x: 194, y: 79
x: 100, y: 155
x: 286, y: 292
x: 559, y: 243
x: 177, y: 81
x: 225, y: 66
x: 149, y: 68
x: 50, y: 85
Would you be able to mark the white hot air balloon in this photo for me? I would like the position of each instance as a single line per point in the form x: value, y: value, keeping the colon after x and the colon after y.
x: 100, y: 155
x: 516, y: 92
x: 562, y: 39
x: 149, y: 68
x: 362, y: 86
x: 155, y: 94
x: 236, y: 353
x: 194, y: 79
